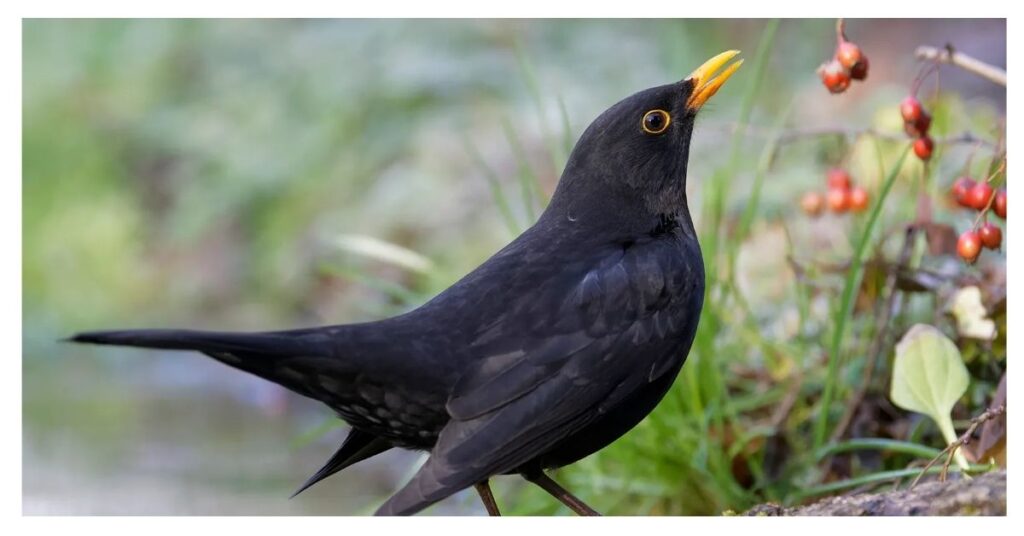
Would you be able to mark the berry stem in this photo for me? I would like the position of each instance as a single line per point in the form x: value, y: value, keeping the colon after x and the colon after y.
x: 1002, y: 166
x: 983, y: 213
x: 841, y: 30
x: 922, y: 74
x: 938, y: 85
x: 966, y: 171
x: 999, y: 155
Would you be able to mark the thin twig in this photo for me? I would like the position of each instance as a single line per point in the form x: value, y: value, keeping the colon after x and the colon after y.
x: 964, y: 439
x: 972, y: 65
x: 799, y: 134
x: 811, y: 132
x: 800, y: 265
x: 785, y: 408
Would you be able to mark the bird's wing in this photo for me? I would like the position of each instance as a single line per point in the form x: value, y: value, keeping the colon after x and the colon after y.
x: 555, y: 361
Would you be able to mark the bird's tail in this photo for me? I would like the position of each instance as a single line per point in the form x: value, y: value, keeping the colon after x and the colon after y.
x: 290, y: 358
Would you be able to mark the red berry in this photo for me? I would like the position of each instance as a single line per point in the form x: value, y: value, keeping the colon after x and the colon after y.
x: 835, y: 77
x: 838, y: 178
x: 923, y: 147
x: 979, y: 196
x: 848, y: 54
x: 919, y: 128
x: 859, y: 199
x: 999, y: 205
x: 991, y: 235
x: 812, y: 203
x: 968, y: 246
x: 860, y: 70
x: 911, y: 109
x: 838, y: 199
x: 960, y: 188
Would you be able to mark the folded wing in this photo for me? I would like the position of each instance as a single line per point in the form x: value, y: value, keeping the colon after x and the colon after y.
x: 568, y: 357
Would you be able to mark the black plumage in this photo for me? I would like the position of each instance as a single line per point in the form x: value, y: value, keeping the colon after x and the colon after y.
x: 549, y: 351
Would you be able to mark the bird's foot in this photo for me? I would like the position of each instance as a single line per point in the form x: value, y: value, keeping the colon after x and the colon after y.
x: 484, y: 489
x: 574, y: 503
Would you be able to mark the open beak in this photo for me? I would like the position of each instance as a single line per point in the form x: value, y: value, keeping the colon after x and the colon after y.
x: 705, y: 84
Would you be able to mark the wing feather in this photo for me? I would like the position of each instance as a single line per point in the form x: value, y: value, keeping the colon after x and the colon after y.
x: 542, y: 377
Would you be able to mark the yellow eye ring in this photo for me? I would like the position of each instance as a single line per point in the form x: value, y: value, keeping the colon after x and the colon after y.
x: 655, y: 121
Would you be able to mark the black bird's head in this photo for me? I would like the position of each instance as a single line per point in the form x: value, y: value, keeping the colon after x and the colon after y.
x: 631, y: 161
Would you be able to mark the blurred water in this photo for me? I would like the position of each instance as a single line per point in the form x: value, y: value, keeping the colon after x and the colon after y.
x: 163, y: 434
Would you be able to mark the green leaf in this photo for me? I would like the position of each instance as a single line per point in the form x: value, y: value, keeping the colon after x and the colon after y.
x: 929, y: 376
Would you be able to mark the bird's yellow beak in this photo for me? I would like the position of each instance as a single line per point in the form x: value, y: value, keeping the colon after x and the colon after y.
x: 705, y: 84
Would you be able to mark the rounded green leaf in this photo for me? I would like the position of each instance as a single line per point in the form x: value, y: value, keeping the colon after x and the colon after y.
x: 928, y: 375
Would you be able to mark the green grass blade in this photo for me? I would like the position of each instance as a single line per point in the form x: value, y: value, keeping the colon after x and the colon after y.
x: 554, y: 148
x: 529, y: 183
x: 567, y: 136
x: 875, y: 443
x: 395, y: 291
x: 754, y: 201
x: 760, y: 66
x: 842, y: 313
x: 496, y: 191
x: 763, y: 165
x: 720, y: 185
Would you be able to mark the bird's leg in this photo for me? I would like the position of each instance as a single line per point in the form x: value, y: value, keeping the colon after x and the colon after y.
x: 484, y: 489
x: 560, y: 493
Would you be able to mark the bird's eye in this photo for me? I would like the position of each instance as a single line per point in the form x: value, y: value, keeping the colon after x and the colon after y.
x: 655, y: 121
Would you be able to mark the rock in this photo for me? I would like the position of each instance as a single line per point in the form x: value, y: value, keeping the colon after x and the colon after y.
x: 984, y: 495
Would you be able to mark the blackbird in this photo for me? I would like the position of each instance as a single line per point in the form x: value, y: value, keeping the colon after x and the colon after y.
x: 550, y: 350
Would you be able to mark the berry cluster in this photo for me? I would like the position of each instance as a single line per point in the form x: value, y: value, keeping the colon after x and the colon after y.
x: 842, y: 195
x: 916, y: 122
x: 980, y: 196
x: 848, y: 63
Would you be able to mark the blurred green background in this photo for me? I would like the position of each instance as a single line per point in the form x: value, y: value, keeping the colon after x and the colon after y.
x: 244, y: 174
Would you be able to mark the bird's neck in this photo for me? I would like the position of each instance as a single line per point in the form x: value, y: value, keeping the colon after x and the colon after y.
x: 602, y: 199
x: 615, y: 218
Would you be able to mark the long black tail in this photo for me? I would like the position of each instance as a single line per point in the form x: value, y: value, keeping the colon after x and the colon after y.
x: 267, y: 343
x: 293, y: 359
x: 299, y: 360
